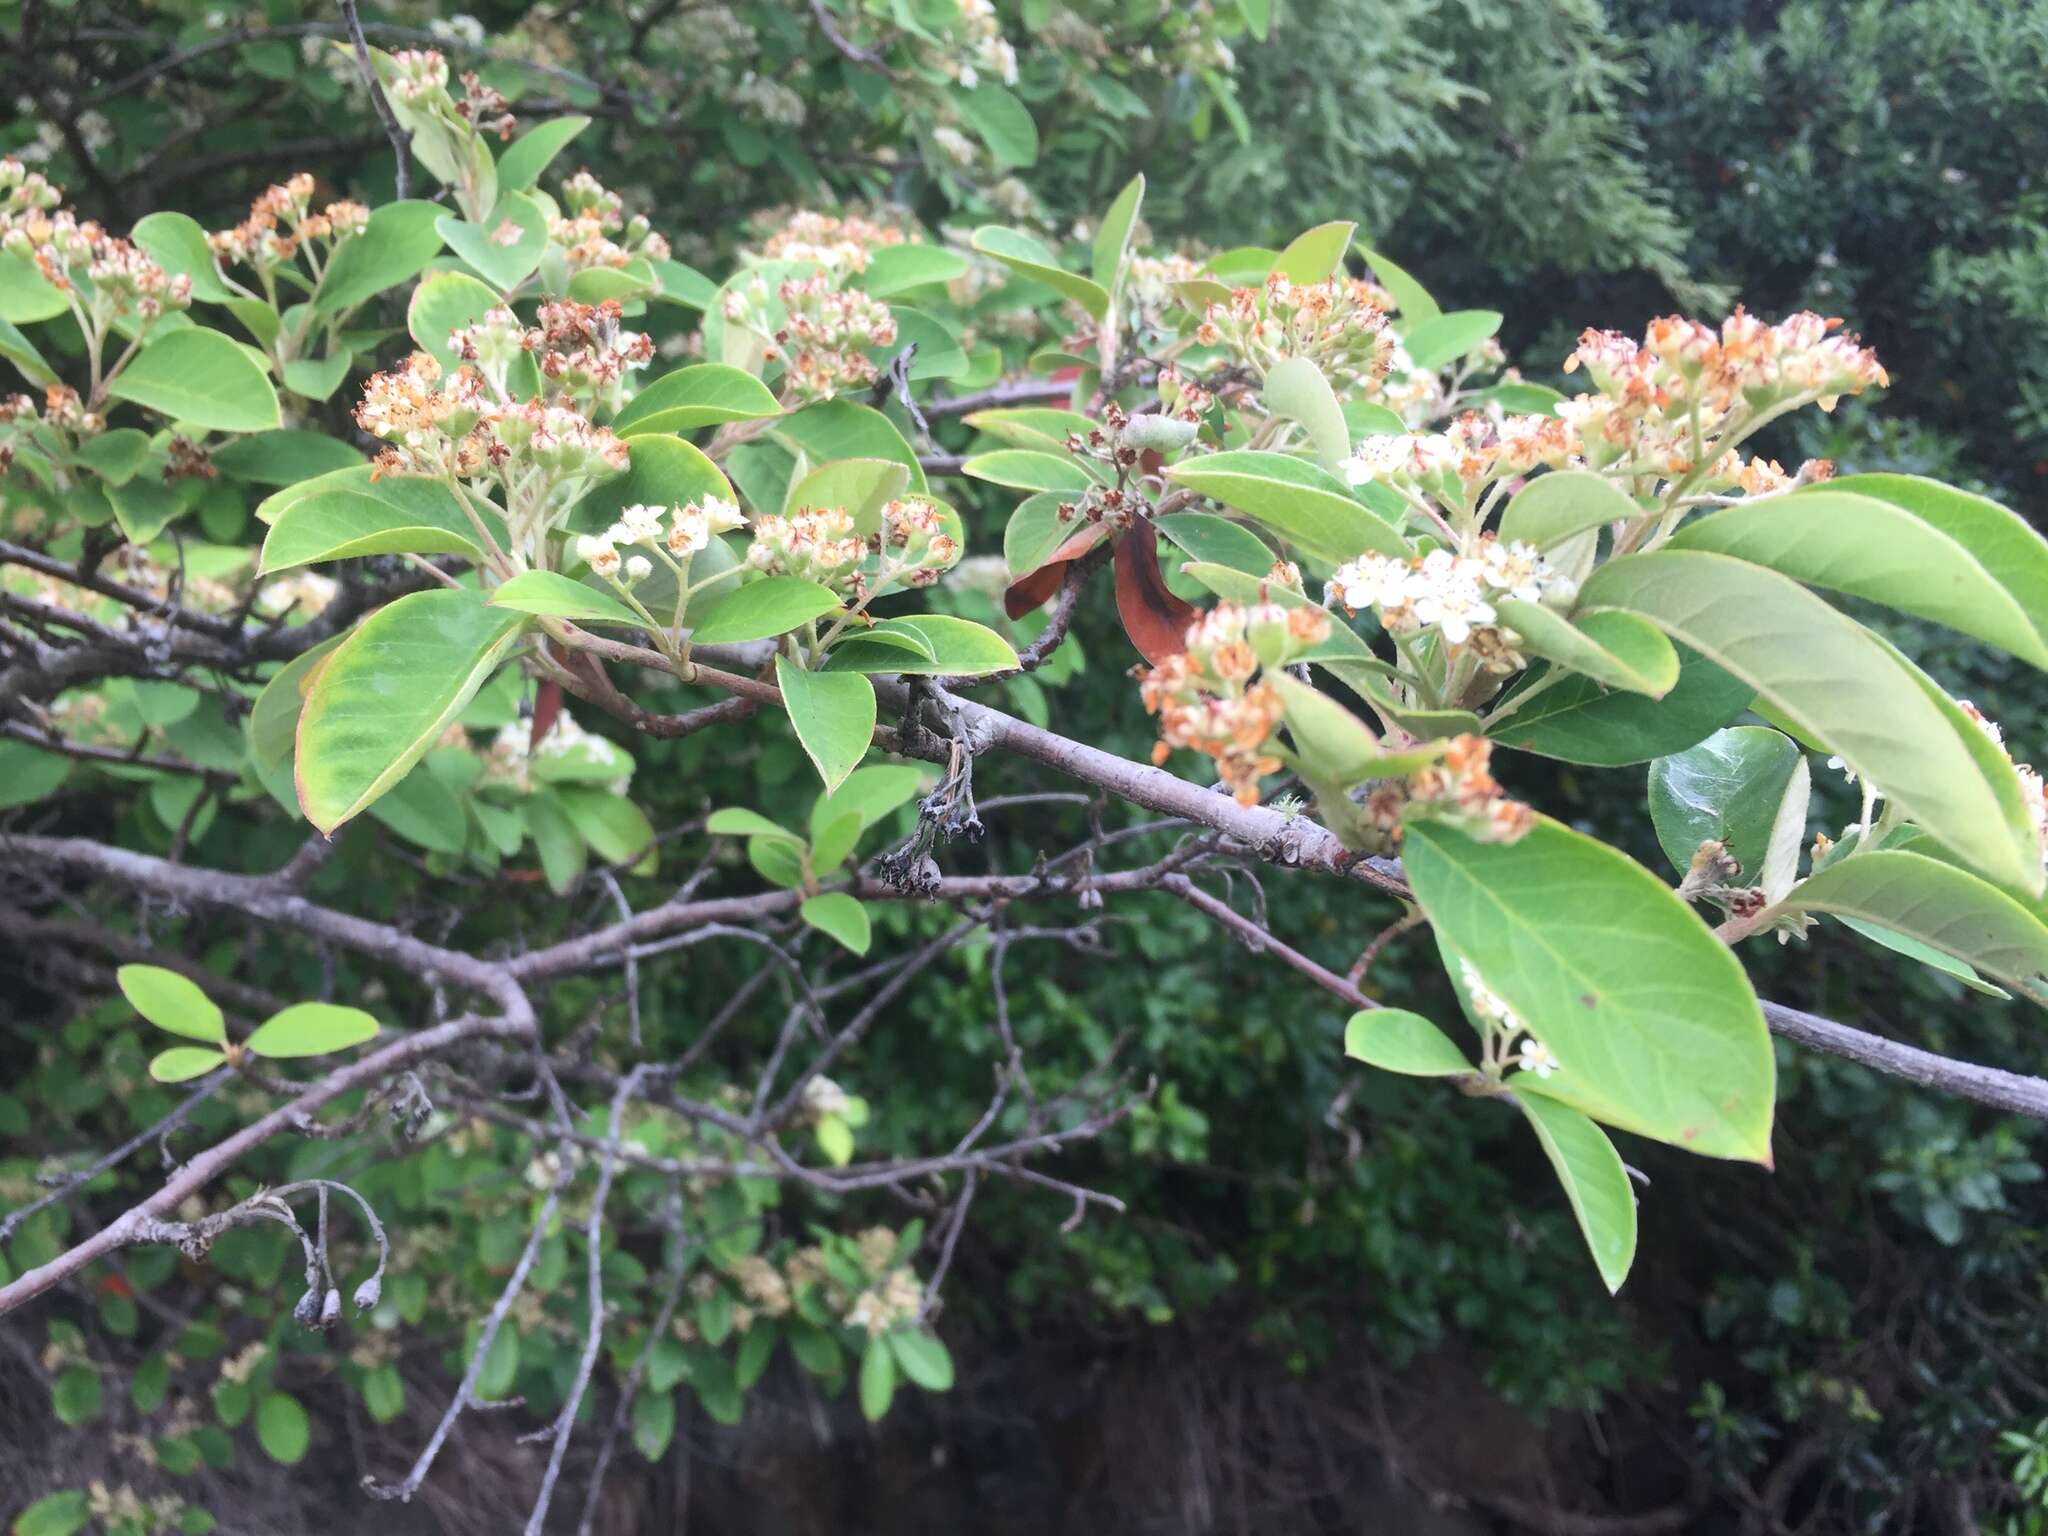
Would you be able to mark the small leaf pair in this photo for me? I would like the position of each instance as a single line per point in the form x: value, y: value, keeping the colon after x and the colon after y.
x: 177, y: 1005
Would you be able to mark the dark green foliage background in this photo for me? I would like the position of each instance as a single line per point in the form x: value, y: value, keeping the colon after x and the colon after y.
x: 1870, y: 1315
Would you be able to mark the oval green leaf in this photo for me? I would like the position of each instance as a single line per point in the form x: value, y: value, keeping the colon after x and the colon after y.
x: 1395, y: 1040
x: 172, y: 1002
x: 202, y: 378
x: 311, y: 1029
x: 1302, y: 503
x: 1593, y: 1176
x: 834, y: 717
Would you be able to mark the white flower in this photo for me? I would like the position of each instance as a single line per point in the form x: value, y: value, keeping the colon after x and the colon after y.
x: 596, y: 551
x: 638, y: 569
x: 1516, y: 569
x: 1376, y: 458
x: 721, y: 516
x: 1487, y: 1003
x: 1537, y: 1057
x: 1454, y: 607
x: 640, y: 523
x: 688, y: 531
x: 1368, y: 582
x: 969, y: 77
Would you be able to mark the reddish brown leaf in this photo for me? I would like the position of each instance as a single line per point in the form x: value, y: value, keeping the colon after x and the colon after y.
x: 547, y: 705
x: 1154, y: 618
x: 1034, y: 589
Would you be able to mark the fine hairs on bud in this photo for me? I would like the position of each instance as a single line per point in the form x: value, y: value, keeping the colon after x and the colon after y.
x: 369, y: 1292
x: 330, y: 1309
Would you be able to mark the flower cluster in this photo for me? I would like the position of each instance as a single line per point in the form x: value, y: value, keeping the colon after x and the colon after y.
x: 1340, y: 324
x: 1661, y: 402
x: 119, y: 278
x: 916, y: 546
x: 1475, y: 449
x: 1207, y: 700
x: 453, y: 425
x: 509, y: 759
x: 1460, y: 788
x: 1452, y: 594
x: 580, y: 350
x: 688, y: 529
x: 838, y: 243
x: 985, y: 46
x: 1503, y: 1025
x: 817, y: 543
x: 825, y: 334
x: 593, y: 215
x: 282, y: 221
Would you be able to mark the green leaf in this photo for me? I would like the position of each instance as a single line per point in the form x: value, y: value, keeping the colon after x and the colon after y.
x: 1579, y: 721
x: 1926, y: 954
x: 654, y: 1423
x: 317, y: 380
x: 202, y: 378
x: 284, y: 457
x: 27, y: 774
x: 1003, y: 123
x: 758, y: 610
x: 1443, y: 340
x: 1395, y: 1040
x: 1651, y: 1017
x: 177, y: 243
x: 1617, y: 649
x: 1973, y: 566
x: 172, y: 1002
x: 877, y: 1379
x: 388, y: 692
x: 503, y: 264
x: 1410, y: 297
x: 594, y: 285
x: 1842, y: 688
x: 738, y: 821
x: 1244, y: 266
x: 859, y: 487
x: 922, y: 1358
x: 842, y: 429
x: 664, y: 471
x: 403, y: 515
x: 1043, y: 427
x: 1113, y: 236
x: 703, y: 395
x: 939, y: 353
x: 1028, y: 257
x: 521, y: 162
x: 283, y: 1429
x: 841, y: 917
x: 1305, y: 505
x: 563, y: 852
x: 1594, y: 1180
x: 898, y: 269
x: 445, y: 302
x: 182, y: 1063
x: 21, y: 352
x: 76, y: 1397
x: 1554, y: 506
x: 562, y: 597
x: 834, y: 716
x: 396, y: 247
x: 871, y: 793
x: 1335, y: 745
x: 1316, y: 255
x: 55, y: 1514
x: 383, y: 1391
x: 945, y: 646
x: 1938, y: 904
x: 612, y: 825
x: 1726, y: 789
x: 1296, y: 389
x: 311, y: 1029
x: 26, y: 296
x: 831, y: 844
x: 1211, y: 540
x: 144, y: 506
x: 1034, y: 531
x: 116, y: 456
x: 1026, y: 469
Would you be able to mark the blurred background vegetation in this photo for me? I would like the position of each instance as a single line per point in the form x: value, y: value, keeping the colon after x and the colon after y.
x: 1310, y: 1320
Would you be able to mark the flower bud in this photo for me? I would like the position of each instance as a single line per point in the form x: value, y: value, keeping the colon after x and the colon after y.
x: 1159, y: 434
x: 369, y: 1293
x: 307, y: 1313
x: 330, y: 1309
